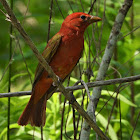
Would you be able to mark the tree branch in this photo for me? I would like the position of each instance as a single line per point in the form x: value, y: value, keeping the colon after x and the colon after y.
x: 77, y: 87
x: 11, y: 17
x: 85, y: 132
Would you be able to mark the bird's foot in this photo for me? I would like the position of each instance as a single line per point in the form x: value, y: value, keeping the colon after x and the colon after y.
x: 59, y: 80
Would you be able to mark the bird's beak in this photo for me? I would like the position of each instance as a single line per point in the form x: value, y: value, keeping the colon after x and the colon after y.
x: 94, y: 19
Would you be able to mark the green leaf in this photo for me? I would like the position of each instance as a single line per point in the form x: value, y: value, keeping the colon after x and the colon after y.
x: 121, y: 97
x: 104, y: 123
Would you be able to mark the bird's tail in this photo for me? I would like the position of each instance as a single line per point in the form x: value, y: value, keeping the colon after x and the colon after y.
x: 34, y: 113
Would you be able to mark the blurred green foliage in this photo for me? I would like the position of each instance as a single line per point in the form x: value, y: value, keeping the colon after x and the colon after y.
x: 36, y: 24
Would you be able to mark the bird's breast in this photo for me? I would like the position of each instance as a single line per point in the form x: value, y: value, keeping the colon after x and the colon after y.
x: 67, y: 55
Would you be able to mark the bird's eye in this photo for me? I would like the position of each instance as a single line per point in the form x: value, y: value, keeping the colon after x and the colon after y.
x: 83, y: 17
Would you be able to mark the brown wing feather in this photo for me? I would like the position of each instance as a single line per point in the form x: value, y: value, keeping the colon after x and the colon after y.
x: 48, y: 53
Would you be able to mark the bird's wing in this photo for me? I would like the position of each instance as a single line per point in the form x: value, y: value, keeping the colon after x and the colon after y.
x: 48, y: 53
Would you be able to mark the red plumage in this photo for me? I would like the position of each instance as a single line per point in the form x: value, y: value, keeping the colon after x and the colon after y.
x: 62, y: 53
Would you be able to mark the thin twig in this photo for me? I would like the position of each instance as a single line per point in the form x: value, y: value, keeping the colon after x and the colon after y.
x: 129, y: 33
x: 120, y: 119
x: 91, y: 8
x: 66, y: 123
x: 70, y: 6
x: 10, y: 61
x: 82, y: 6
x: 62, y: 119
x: 3, y: 12
x: 111, y: 96
x: 49, y: 26
x: 82, y: 104
x: 59, y: 9
x: 41, y: 129
x: 9, y: 76
x: 135, y: 125
x: 26, y: 9
x: 86, y: 88
x: 111, y: 112
x: 74, y: 126
x: 88, y: 93
x: 77, y: 87
x: 125, y: 63
x: 17, y: 40
x: 103, y: 21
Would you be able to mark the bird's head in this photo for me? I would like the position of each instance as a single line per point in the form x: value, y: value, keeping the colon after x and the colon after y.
x: 79, y: 21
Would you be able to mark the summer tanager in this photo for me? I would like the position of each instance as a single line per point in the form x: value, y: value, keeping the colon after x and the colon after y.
x: 62, y: 52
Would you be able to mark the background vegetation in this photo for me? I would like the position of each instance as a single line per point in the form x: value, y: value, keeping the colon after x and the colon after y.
x: 34, y: 16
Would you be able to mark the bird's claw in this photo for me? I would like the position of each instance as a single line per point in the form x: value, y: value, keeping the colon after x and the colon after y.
x: 56, y: 84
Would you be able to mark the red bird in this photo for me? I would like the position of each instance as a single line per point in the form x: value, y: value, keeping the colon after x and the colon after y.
x: 62, y: 52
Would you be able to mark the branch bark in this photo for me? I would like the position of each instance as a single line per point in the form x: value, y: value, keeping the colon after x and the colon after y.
x: 77, y: 87
x: 85, y: 132
x: 11, y: 17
